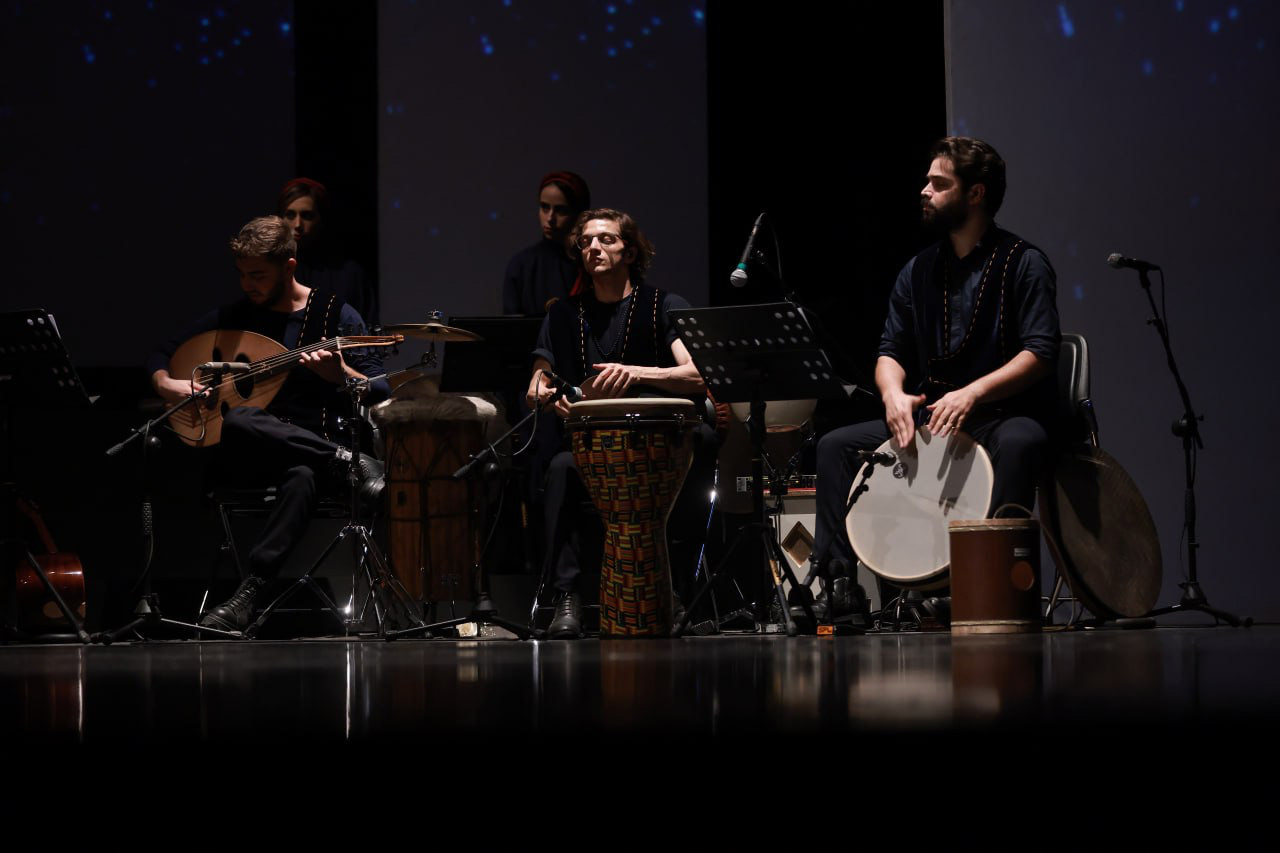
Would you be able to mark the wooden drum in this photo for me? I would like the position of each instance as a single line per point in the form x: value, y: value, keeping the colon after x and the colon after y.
x: 995, y: 576
x: 433, y: 547
x: 633, y: 454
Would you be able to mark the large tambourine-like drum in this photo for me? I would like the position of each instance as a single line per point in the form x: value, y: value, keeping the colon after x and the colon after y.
x: 898, y: 526
x: 633, y: 454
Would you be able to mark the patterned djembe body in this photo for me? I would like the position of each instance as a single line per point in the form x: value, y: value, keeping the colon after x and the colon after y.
x: 633, y: 455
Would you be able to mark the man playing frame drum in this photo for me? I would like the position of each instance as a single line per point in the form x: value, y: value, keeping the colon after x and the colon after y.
x: 970, y: 343
x: 614, y: 340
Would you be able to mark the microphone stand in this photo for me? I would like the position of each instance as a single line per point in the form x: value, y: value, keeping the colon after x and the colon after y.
x: 484, y: 612
x: 147, y: 613
x: 1187, y: 427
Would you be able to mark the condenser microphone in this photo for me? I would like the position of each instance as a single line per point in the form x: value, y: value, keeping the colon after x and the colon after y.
x: 226, y: 366
x: 572, y: 393
x: 1118, y: 261
x: 738, y: 278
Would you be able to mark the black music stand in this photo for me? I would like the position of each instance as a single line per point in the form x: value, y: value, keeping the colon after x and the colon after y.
x: 499, y: 361
x: 36, y: 368
x: 750, y: 354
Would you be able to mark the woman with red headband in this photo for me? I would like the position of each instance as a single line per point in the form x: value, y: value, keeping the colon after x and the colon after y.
x: 546, y: 271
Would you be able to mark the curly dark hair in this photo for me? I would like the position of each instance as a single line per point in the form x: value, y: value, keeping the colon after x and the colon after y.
x: 631, y: 235
x: 975, y: 162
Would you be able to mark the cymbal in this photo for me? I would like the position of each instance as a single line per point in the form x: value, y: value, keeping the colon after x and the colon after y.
x: 432, y: 332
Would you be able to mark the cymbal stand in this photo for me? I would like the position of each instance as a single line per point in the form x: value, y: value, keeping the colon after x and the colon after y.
x: 383, y: 592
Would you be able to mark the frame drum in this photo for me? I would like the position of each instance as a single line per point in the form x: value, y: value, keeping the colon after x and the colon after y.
x: 898, y: 527
x: 633, y: 455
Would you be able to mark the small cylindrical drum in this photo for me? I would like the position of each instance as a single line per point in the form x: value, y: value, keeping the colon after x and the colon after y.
x: 995, y: 576
x: 633, y: 454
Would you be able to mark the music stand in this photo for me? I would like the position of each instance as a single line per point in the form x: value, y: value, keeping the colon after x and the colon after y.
x: 499, y: 361
x: 36, y: 368
x: 750, y: 354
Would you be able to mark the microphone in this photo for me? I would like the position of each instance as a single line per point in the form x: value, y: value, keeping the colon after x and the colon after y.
x: 738, y: 278
x: 572, y: 393
x: 877, y: 458
x: 1118, y: 261
x: 226, y: 366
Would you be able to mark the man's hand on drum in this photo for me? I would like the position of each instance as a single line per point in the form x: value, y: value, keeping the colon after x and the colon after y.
x: 948, y: 414
x: 613, y: 380
x: 899, y: 414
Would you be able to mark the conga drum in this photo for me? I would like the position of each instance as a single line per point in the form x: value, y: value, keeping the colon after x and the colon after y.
x: 633, y: 455
x: 898, y: 526
x: 428, y: 436
x: 995, y: 576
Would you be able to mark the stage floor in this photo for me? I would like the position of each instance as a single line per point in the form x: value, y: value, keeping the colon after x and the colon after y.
x: 418, y: 691
x: 1062, y: 740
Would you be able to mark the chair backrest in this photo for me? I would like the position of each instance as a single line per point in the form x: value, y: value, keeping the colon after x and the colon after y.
x: 1075, y: 408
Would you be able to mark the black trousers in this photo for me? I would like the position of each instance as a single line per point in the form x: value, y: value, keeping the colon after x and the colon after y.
x: 1017, y: 446
x: 260, y: 450
x: 565, y: 518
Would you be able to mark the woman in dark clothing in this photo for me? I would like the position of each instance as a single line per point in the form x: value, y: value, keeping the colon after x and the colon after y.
x: 545, y: 271
x: 322, y: 260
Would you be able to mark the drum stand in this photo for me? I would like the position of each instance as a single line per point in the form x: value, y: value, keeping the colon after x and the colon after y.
x: 1187, y: 428
x: 484, y: 612
x: 383, y: 591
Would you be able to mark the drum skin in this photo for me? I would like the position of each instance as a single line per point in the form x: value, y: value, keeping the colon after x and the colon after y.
x: 633, y: 455
x: 898, y: 527
x: 995, y: 576
x: 1102, y: 534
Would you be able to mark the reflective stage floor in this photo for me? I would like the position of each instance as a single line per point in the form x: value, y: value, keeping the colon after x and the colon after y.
x: 418, y: 690
x: 1178, y: 710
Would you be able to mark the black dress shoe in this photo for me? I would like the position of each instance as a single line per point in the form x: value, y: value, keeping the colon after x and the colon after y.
x: 567, y: 624
x: 236, y: 613
x: 370, y: 470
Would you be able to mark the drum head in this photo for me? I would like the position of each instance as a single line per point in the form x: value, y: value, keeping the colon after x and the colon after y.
x: 1103, y: 534
x: 645, y: 407
x: 898, y: 527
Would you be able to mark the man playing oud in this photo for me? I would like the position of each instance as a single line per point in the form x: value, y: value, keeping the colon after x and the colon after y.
x: 292, y: 443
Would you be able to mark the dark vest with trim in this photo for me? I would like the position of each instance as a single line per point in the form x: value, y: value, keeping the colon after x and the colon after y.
x: 638, y: 345
x: 304, y: 398
x: 991, y: 337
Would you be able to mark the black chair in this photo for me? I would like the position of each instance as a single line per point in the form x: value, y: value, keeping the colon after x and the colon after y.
x: 1077, y: 424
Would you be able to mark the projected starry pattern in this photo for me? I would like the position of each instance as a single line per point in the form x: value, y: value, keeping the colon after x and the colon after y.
x: 133, y: 47
x: 587, y: 44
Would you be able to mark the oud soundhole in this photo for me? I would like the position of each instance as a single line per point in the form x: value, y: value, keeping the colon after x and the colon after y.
x: 244, y: 382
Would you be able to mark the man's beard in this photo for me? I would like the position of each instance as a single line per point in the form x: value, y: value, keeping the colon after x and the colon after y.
x: 945, y: 219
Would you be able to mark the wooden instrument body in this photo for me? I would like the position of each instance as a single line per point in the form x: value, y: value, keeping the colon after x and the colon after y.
x: 269, y: 365
x: 204, y: 427
x: 37, y: 612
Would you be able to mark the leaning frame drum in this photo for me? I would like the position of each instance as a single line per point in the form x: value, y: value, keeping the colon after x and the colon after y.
x: 633, y: 454
x: 898, y: 527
